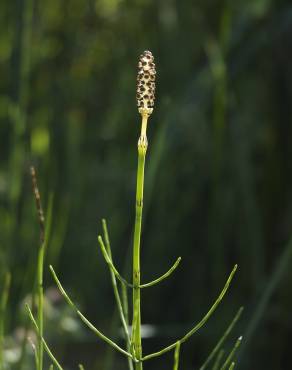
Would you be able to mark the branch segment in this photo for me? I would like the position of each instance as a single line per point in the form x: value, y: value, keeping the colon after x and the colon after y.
x: 123, y: 315
x: 110, y: 263
x: 200, y: 324
x: 86, y: 321
x: 46, y: 347
x: 112, y: 267
x: 164, y: 276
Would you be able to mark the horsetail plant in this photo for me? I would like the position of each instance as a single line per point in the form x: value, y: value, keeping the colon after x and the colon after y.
x: 133, y: 338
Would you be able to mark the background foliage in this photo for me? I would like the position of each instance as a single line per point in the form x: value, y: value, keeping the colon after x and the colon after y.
x: 218, y: 175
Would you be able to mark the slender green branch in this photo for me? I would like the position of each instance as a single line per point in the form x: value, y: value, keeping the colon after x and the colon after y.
x: 218, y: 359
x: 81, y: 367
x: 231, y: 367
x: 117, y: 294
x: 51, y: 367
x: 46, y: 347
x: 222, y: 339
x: 84, y: 319
x: 3, y: 304
x: 200, y: 324
x: 125, y: 302
x: 176, y: 356
x: 232, y: 353
x: 110, y: 263
x: 164, y: 276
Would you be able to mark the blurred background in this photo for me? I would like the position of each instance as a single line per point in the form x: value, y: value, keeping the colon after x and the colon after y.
x: 218, y: 172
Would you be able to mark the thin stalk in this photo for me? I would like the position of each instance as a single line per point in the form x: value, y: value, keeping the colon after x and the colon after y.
x: 40, y: 295
x: 3, y: 304
x: 162, y: 277
x: 136, y: 326
x: 176, y: 356
x: 232, y: 353
x: 108, y: 259
x: 46, y: 347
x: 125, y: 302
x: 218, y: 360
x: 40, y: 268
x: 222, y: 339
x: 117, y: 294
x: 110, y: 263
x: 46, y: 232
x: 81, y: 367
x: 123, y: 281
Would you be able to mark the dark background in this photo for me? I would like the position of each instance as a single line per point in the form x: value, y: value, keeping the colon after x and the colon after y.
x: 218, y: 172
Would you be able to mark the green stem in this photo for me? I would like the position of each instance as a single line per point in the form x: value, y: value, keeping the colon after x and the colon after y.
x: 218, y: 360
x: 136, y: 326
x: 176, y: 356
x: 40, y: 294
x: 109, y: 261
x: 46, y: 347
x: 117, y: 294
x: 231, y: 354
x: 164, y: 276
x: 124, y: 282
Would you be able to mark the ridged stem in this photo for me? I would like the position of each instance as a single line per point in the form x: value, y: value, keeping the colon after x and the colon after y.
x: 136, y: 326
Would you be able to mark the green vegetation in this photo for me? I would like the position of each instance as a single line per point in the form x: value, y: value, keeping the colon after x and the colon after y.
x: 133, y: 352
x: 217, y: 179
